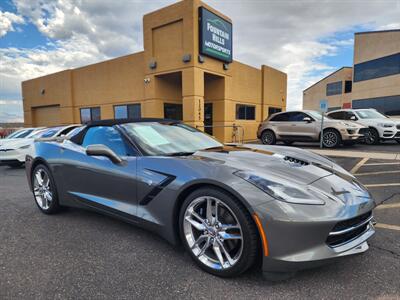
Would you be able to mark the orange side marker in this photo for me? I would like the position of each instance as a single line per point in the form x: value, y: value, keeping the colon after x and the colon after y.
x: 262, y: 233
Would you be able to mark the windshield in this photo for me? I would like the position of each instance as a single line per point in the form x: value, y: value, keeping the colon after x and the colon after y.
x: 48, y: 133
x: 369, y: 114
x: 317, y: 115
x: 20, y: 134
x: 166, y: 139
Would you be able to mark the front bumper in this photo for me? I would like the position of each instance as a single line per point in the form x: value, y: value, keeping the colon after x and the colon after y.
x: 300, y: 244
x: 12, y: 155
x: 390, y: 134
x: 351, y: 134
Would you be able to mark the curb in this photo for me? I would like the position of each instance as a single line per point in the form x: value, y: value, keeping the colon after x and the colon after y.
x: 358, y: 154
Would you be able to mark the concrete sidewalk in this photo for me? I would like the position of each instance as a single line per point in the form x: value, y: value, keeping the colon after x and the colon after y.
x: 358, y: 154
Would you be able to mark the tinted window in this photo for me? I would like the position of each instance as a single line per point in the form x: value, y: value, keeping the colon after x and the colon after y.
x: 134, y: 111
x: 348, y: 114
x: 296, y: 116
x: 389, y: 105
x: 334, y: 88
x: 90, y: 114
x: 280, y: 118
x: 339, y: 115
x: 108, y: 136
x: 49, y: 133
x: 120, y: 112
x: 348, y: 85
x: 381, y: 67
x: 173, y: 111
x: 245, y: 112
x: 23, y: 134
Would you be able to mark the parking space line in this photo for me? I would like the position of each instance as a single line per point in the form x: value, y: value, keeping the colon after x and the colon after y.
x: 382, y: 163
x: 359, y: 165
x: 376, y: 173
x: 381, y: 185
x: 384, y: 206
x: 387, y: 226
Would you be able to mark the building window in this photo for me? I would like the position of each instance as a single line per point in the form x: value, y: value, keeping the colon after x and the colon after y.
x: 273, y: 110
x: 334, y: 88
x: 245, y: 112
x: 90, y: 114
x: 348, y: 85
x: 381, y: 67
x: 389, y: 105
x: 130, y: 111
x: 173, y: 111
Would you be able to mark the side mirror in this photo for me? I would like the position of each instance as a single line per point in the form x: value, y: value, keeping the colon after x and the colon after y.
x: 307, y: 119
x: 353, y: 118
x: 102, y: 150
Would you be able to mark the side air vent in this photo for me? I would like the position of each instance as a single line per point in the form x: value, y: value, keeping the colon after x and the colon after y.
x: 295, y: 161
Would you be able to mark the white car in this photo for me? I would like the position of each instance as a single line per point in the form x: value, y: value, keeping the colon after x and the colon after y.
x: 380, y: 126
x: 13, y: 151
x: 19, y: 134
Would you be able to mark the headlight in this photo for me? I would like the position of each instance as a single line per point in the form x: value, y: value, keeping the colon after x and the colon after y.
x: 385, y: 125
x: 279, y: 191
x: 348, y: 124
x: 24, y: 147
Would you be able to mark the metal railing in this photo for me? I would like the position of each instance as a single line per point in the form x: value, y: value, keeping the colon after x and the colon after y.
x: 237, y: 131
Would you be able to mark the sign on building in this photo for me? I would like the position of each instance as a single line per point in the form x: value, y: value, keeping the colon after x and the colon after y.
x: 215, y: 36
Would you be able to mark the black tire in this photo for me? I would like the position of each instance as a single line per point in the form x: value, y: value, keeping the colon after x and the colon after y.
x: 372, y: 137
x: 54, y: 205
x: 288, y: 143
x: 250, y: 242
x: 331, y: 138
x: 268, y: 137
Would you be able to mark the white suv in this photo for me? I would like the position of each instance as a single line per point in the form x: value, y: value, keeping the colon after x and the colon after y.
x: 380, y: 126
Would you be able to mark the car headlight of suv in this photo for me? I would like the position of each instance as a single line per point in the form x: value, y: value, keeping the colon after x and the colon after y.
x: 348, y: 124
x: 385, y: 125
x: 24, y: 147
x: 280, y: 191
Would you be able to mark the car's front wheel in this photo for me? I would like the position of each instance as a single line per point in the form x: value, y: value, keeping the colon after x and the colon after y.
x: 331, y: 138
x: 373, y: 137
x: 268, y: 137
x: 44, y: 190
x: 218, y: 232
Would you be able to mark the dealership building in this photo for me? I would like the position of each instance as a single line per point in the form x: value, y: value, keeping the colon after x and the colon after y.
x: 372, y: 82
x: 185, y: 72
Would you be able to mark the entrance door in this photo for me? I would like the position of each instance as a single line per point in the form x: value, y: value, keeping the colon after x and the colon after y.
x: 208, y: 118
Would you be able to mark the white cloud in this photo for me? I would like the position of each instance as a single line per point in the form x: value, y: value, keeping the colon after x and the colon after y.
x: 7, y: 20
x: 293, y: 36
x: 10, y: 111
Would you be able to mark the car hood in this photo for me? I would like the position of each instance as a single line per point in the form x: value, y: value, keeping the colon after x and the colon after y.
x: 15, y: 143
x: 333, y: 122
x: 373, y: 122
x: 293, y: 164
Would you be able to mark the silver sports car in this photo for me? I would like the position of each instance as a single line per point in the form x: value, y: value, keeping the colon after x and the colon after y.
x: 230, y: 206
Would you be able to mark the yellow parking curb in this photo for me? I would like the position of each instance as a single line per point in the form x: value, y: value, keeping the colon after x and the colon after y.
x: 387, y: 226
x: 358, y: 154
x: 384, y: 206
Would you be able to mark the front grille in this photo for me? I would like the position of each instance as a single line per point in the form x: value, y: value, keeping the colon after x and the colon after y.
x: 347, y: 230
x: 364, y: 131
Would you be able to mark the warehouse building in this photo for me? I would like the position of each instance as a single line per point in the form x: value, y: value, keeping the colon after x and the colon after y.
x: 372, y: 82
x: 185, y: 72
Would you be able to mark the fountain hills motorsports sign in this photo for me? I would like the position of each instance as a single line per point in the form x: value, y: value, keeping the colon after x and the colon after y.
x: 215, y: 36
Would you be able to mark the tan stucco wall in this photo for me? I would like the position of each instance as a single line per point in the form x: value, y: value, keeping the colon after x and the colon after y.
x: 169, y: 34
x: 317, y: 92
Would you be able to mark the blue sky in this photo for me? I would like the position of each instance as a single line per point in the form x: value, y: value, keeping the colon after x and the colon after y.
x: 309, y: 40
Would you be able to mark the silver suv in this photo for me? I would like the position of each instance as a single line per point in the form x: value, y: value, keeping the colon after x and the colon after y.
x: 305, y: 126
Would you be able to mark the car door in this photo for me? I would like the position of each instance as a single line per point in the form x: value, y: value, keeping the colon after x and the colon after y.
x: 98, y: 182
x: 301, y: 129
x: 279, y: 124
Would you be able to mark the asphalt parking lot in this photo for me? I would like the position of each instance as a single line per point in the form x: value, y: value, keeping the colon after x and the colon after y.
x: 80, y: 254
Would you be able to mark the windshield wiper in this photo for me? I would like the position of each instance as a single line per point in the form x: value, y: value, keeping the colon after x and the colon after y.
x: 182, y: 153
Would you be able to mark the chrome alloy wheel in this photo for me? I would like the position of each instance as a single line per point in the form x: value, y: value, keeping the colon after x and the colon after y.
x: 268, y: 138
x: 42, y: 189
x: 330, y: 139
x: 213, y: 233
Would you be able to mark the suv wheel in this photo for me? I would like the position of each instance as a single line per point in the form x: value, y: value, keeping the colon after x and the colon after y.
x: 268, y: 137
x: 372, y: 137
x: 218, y: 232
x: 331, y: 138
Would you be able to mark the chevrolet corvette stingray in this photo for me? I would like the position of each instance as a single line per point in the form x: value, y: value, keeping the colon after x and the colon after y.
x: 231, y: 206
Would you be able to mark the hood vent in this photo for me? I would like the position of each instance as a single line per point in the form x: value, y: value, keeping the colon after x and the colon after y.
x: 295, y: 161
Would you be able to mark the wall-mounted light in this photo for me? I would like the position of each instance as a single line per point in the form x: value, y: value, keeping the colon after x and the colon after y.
x: 147, y: 80
x: 153, y: 64
x: 42, y: 91
x: 226, y: 66
x: 186, y: 58
x: 201, y: 59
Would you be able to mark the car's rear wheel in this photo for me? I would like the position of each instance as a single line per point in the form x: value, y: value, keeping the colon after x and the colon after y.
x: 218, y: 232
x: 44, y: 190
x: 373, y: 137
x: 331, y: 138
x: 268, y: 137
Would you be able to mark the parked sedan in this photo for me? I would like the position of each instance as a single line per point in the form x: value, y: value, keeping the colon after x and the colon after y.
x: 305, y: 126
x: 228, y: 205
x: 14, y: 151
x: 381, y: 127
